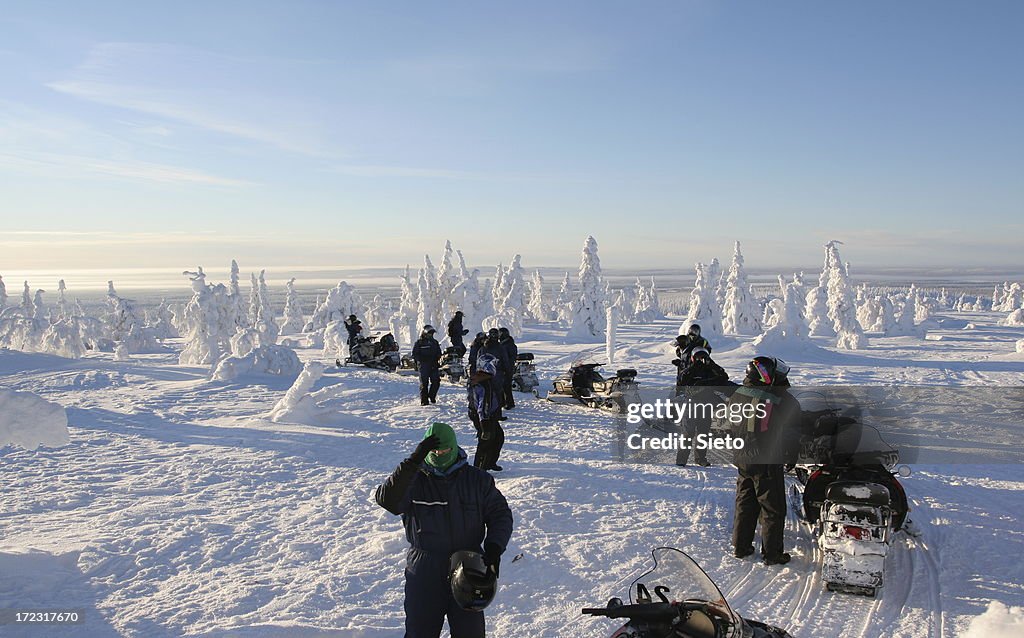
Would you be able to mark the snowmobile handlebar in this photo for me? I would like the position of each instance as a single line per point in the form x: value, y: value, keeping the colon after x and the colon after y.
x: 650, y: 612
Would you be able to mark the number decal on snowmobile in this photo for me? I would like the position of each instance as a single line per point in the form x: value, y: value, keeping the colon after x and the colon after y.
x: 643, y: 595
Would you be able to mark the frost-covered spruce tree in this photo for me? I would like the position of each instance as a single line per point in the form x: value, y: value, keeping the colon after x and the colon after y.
x: 565, y: 303
x: 539, y: 309
x: 340, y: 302
x: 430, y: 293
x: 905, y: 326
x: 3, y: 293
x: 239, y: 307
x: 816, y: 307
x: 740, y: 313
x: 467, y: 298
x: 841, y: 307
x: 589, y: 319
x: 63, y: 338
x: 788, y: 327
x: 515, y: 299
x: 294, y: 320
x: 644, y: 310
x: 703, y: 308
x: 403, y: 322
x: 265, y: 324
x: 426, y: 311
x: 1012, y: 299
x: 656, y: 301
x: 254, y: 300
x: 125, y: 328
x: 497, y: 289
x: 447, y: 279
x: 62, y: 300
x: 160, y: 322
x: 204, y: 327
x: 26, y: 301
x: 717, y: 282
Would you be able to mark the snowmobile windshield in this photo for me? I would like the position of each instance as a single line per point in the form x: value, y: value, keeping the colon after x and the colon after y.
x: 675, y: 577
x: 585, y: 360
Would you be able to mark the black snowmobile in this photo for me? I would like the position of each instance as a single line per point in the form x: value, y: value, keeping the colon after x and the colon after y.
x: 452, y: 367
x: 372, y: 352
x: 851, y: 498
x: 583, y: 383
x: 677, y: 599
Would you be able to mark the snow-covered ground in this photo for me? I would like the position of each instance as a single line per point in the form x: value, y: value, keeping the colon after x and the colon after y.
x: 178, y: 508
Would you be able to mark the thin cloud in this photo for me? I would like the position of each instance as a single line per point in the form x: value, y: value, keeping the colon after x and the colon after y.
x: 57, y: 163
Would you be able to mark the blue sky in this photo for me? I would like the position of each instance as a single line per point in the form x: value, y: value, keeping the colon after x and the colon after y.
x: 343, y: 133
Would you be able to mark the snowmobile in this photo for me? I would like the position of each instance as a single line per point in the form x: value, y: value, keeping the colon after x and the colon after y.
x: 372, y: 352
x: 585, y: 384
x: 677, y: 599
x: 407, y: 365
x: 452, y: 367
x: 849, y: 494
x: 524, y: 377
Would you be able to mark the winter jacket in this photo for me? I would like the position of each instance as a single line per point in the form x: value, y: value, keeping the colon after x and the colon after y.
x: 474, y: 352
x: 456, y: 331
x: 703, y: 374
x: 773, y: 439
x: 427, y: 353
x: 353, y: 329
x: 484, y: 403
x: 494, y: 347
x: 446, y: 511
x: 690, y: 344
x: 511, y: 351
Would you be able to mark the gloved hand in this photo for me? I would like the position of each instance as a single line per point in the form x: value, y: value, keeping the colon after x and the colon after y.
x: 492, y: 557
x: 424, y: 448
x: 676, y: 362
x: 465, y: 332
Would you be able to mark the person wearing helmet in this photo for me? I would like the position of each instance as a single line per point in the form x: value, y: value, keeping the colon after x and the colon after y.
x: 685, y: 345
x: 484, y: 403
x: 456, y: 332
x: 474, y: 350
x: 427, y: 353
x: 697, y: 384
x: 354, y: 327
x: 447, y: 506
x: 771, y: 434
x: 511, y: 354
x: 492, y: 346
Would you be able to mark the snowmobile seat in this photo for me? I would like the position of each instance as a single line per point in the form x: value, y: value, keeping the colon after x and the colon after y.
x: 626, y: 373
x: 525, y: 356
x: 452, y: 350
x: 857, y: 493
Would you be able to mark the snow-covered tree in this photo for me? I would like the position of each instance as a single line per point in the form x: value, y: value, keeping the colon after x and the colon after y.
x: 1012, y: 298
x: 497, y: 289
x: 403, y: 322
x: 427, y: 315
x: 841, y: 307
x: 589, y: 319
x: 539, y: 309
x: 340, y: 302
x: 788, y: 327
x: 644, y: 310
x: 816, y: 307
x: 717, y: 282
x: 447, y: 279
x: 625, y: 301
x: 514, y: 285
x: 905, y: 326
x: 254, y: 300
x: 469, y: 300
x: 126, y: 329
x: 294, y: 320
x: 62, y: 300
x: 740, y: 312
x: 265, y: 323
x: 26, y: 301
x: 3, y: 293
x: 160, y: 323
x: 239, y: 308
x: 208, y: 321
x: 565, y: 303
x: 703, y: 307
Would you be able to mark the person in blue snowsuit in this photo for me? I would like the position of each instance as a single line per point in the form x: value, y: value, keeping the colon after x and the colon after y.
x: 484, y: 406
x: 427, y: 353
x: 446, y: 505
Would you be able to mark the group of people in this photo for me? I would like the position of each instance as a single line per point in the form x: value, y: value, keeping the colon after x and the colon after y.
x: 770, y: 441
x: 492, y: 357
x: 458, y: 523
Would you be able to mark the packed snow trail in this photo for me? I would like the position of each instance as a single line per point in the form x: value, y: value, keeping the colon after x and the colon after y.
x: 178, y: 509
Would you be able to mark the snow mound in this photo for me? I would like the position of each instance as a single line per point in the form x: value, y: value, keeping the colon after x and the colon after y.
x: 299, y: 405
x: 1020, y: 345
x: 262, y: 359
x: 1015, y: 318
x: 27, y: 420
x: 998, y: 621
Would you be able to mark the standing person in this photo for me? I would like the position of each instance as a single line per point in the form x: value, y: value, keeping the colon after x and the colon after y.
x: 512, y: 354
x: 770, y: 436
x: 685, y: 345
x: 354, y: 327
x: 702, y: 375
x: 493, y: 347
x: 446, y: 506
x: 474, y: 350
x: 456, y: 332
x: 484, y: 406
x: 427, y: 353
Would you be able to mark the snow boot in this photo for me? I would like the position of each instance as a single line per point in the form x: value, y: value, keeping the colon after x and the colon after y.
x: 743, y: 552
x: 781, y: 559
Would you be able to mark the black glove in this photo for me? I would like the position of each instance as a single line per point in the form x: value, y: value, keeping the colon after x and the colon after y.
x: 465, y: 332
x: 676, y: 362
x: 492, y: 557
x: 424, y: 448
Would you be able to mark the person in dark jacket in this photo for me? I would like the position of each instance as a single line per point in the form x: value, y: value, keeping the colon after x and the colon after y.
x: 492, y: 346
x: 427, y: 353
x: 474, y: 350
x: 484, y: 405
x: 685, y: 345
x: 771, y: 436
x: 698, y: 383
x: 456, y: 332
x: 511, y: 354
x: 446, y: 506
x: 354, y: 328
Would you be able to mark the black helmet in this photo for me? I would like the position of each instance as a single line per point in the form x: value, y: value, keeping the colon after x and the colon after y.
x: 503, y: 332
x: 694, y: 330
x: 699, y: 354
x: 458, y: 313
x: 428, y: 329
x: 768, y: 371
x: 473, y: 585
x: 493, y: 332
x: 351, y: 317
